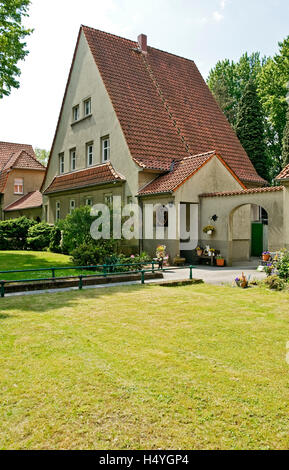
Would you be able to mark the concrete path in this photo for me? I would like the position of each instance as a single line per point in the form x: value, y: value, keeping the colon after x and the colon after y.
x: 210, y: 275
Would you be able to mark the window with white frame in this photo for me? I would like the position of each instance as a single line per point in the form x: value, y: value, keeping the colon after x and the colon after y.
x: 72, y: 159
x: 57, y: 210
x: 75, y: 113
x: 88, y: 201
x: 89, y: 154
x: 61, y: 163
x: 18, y: 186
x: 105, y: 149
x: 108, y: 199
x: 71, y: 205
x: 87, y: 107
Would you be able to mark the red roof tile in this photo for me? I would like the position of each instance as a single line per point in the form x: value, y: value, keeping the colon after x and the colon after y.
x: 29, y: 201
x: 10, y: 153
x: 165, y: 108
x: 284, y: 174
x: 92, y: 176
x: 245, y: 191
x: 3, y: 180
x: 181, y: 171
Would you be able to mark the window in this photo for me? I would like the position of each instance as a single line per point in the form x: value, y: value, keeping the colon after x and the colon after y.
x: 88, y: 201
x: 71, y: 205
x: 129, y: 199
x: 108, y: 199
x: 57, y: 210
x: 75, y: 113
x: 105, y: 144
x: 87, y: 107
x: 61, y: 163
x: 89, y: 154
x: 72, y: 159
x: 18, y: 186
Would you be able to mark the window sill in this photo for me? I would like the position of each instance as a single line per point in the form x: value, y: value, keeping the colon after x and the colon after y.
x: 82, y: 119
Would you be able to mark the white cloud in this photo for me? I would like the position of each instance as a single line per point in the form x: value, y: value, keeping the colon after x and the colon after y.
x: 223, y: 4
x: 217, y: 16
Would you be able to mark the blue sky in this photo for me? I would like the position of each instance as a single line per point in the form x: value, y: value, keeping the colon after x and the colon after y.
x: 203, y: 30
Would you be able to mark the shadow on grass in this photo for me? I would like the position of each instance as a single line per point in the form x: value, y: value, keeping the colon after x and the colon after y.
x: 46, y: 302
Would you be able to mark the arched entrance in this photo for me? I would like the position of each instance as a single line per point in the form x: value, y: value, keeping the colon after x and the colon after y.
x: 248, y: 232
x: 248, y: 221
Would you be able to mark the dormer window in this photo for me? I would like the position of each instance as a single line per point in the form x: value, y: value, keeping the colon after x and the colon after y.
x: 72, y: 159
x: 18, y: 186
x: 105, y: 144
x: 87, y: 107
x: 75, y: 113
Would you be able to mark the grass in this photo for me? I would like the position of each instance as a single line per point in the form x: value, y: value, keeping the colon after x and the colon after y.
x: 17, y: 260
x: 192, y: 367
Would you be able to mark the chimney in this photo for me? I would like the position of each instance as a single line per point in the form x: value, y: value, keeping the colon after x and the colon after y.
x: 142, y: 43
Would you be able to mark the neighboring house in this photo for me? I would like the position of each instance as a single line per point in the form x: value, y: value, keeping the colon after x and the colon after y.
x: 142, y: 123
x: 21, y: 176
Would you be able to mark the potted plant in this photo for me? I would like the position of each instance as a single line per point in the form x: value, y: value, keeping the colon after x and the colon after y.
x: 242, y: 281
x: 209, y: 229
x: 220, y: 260
x: 199, y: 250
x: 266, y: 255
x: 211, y: 252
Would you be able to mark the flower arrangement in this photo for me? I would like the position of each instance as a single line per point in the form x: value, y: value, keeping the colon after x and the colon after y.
x: 199, y: 250
x: 161, y: 255
x: 242, y: 281
x: 266, y: 255
x: 209, y: 229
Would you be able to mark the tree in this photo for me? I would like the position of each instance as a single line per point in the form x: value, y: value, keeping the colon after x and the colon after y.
x: 285, y: 148
x: 272, y: 89
x: 12, y: 44
x: 250, y: 128
x: 42, y: 155
x: 227, y: 81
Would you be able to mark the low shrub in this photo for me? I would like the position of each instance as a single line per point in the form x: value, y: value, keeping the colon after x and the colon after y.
x: 14, y: 232
x: 282, y: 264
x: 55, y: 240
x: 275, y: 282
x: 39, y: 236
x: 91, y: 254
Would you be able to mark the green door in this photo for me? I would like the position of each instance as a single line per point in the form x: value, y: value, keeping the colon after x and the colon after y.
x: 257, y: 239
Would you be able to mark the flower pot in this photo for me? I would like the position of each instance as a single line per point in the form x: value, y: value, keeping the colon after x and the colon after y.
x: 199, y: 252
x: 209, y: 232
x: 266, y: 257
x: 220, y: 262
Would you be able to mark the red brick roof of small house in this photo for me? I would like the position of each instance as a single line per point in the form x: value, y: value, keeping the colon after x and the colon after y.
x: 13, y: 156
x: 180, y: 172
x: 29, y: 201
x: 164, y: 107
x: 284, y: 174
x: 270, y: 189
x: 99, y: 174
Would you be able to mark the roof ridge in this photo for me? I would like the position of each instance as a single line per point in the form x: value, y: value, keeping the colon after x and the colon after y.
x: 210, y: 152
x: 165, y: 102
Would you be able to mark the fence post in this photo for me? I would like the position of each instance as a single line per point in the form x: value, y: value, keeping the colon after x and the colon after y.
x: 2, y: 289
x: 142, y: 276
x: 80, y: 283
x: 104, y: 270
x: 53, y: 273
x: 153, y: 266
x: 191, y: 272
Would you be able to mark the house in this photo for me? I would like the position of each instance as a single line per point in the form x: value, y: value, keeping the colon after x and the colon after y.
x: 21, y: 176
x: 141, y: 123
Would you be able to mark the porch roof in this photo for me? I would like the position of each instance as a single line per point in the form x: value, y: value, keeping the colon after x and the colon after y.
x: 244, y: 191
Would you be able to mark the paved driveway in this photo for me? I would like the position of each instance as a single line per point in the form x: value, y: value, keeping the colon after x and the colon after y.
x: 214, y: 275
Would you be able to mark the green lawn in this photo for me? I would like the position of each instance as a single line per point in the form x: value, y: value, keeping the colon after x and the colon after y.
x: 145, y: 367
x: 14, y: 260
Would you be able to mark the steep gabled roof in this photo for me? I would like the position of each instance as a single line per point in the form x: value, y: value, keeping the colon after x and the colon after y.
x: 284, y: 175
x: 180, y: 172
x: 164, y: 107
x: 18, y: 156
x: 29, y: 201
x: 99, y: 174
